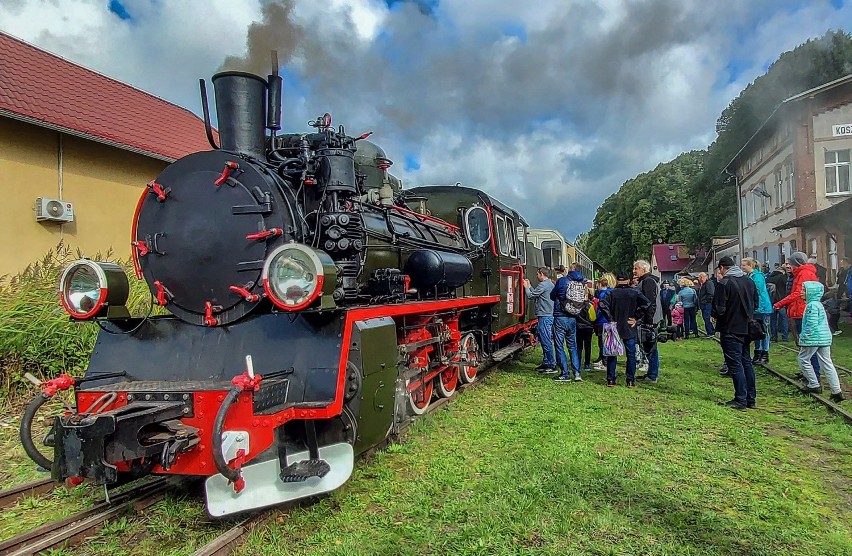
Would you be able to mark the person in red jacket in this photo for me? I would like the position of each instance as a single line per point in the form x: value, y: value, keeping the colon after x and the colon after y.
x: 802, y: 271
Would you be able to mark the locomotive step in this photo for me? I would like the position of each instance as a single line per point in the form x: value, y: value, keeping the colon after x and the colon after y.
x: 304, y: 470
x: 506, y: 352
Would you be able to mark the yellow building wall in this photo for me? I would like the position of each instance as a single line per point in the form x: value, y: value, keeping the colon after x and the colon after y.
x: 103, y: 183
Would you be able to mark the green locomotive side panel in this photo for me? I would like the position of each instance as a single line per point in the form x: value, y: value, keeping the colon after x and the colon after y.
x: 373, y: 350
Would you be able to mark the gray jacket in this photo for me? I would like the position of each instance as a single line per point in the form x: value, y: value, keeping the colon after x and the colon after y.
x: 541, y: 294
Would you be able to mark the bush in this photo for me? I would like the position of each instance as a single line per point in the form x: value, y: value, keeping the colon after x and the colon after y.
x: 36, y: 334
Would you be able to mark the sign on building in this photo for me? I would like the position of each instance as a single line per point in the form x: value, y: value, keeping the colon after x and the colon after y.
x: 841, y: 129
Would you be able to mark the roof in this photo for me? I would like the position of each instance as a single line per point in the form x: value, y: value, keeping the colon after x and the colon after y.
x: 810, y: 93
x: 836, y: 213
x: 45, y: 90
x: 663, y: 253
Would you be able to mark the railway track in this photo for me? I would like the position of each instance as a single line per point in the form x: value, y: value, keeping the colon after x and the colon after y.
x: 836, y: 366
x: 13, y: 495
x: 833, y: 407
x: 75, y: 528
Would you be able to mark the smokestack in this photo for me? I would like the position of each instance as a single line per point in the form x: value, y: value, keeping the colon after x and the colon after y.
x: 241, y: 108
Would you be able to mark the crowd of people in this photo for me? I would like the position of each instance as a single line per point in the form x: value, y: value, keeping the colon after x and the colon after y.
x: 745, y: 305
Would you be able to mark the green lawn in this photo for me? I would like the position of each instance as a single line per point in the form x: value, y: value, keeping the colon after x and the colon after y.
x: 521, y: 465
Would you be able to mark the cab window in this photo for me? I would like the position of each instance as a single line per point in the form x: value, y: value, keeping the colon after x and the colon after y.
x: 476, y: 226
x: 500, y: 231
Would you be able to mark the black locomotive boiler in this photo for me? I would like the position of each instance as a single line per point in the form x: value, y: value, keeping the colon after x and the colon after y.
x: 314, y: 306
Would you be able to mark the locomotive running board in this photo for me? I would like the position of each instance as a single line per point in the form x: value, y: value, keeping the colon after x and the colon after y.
x: 264, y: 488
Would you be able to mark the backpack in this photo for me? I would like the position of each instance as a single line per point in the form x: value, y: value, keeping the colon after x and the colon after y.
x: 773, y: 293
x: 575, y: 297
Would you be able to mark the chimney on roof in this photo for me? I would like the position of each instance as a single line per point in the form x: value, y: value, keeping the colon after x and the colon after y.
x: 241, y: 108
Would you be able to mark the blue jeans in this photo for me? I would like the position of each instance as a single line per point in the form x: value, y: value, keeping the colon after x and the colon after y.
x: 689, y: 321
x: 738, y: 359
x: 653, y: 362
x: 765, y: 318
x: 705, y: 313
x: 778, y: 322
x: 545, y: 338
x: 565, y: 328
x: 630, y: 350
x: 814, y: 359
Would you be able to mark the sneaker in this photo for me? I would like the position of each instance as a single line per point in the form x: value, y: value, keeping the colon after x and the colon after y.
x: 814, y: 390
x: 646, y: 378
x: 837, y: 398
x: 562, y: 378
x: 587, y: 369
x: 578, y: 378
x: 631, y: 384
x: 734, y: 404
x: 599, y: 366
x: 550, y: 371
x: 751, y: 405
x: 800, y: 376
x: 541, y: 368
x: 610, y: 383
x: 837, y: 333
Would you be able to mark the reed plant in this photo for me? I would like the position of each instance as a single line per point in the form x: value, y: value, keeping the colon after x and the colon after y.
x: 36, y: 334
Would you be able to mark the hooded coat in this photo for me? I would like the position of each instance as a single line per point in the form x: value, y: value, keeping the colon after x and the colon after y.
x: 794, y: 302
x: 560, y: 290
x: 764, y: 304
x: 815, y: 329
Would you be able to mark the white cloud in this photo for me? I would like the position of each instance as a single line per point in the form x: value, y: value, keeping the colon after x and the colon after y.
x: 551, y: 121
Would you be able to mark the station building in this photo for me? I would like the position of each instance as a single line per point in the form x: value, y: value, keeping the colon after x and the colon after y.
x: 89, y: 142
x: 793, y: 180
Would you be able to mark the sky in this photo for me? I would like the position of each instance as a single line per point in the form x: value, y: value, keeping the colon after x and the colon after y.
x: 548, y: 105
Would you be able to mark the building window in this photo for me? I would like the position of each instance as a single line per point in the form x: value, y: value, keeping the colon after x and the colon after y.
x: 832, y: 258
x: 779, y: 188
x: 836, y: 172
x: 813, y: 252
x: 791, y: 181
x: 792, y: 246
x: 781, y: 257
x: 744, y: 209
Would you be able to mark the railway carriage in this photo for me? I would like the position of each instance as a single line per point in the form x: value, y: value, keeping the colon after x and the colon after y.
x: 314, y: 308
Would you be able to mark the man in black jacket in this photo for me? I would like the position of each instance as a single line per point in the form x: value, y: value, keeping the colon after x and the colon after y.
x: 778, y: 321
x: 649, y: 286
x: 626, y: 307
x: 734, y: 304
x: 705, y: 300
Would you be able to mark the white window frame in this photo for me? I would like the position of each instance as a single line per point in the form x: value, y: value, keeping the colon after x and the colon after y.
x: 502, y: 246
x: 835, y: 169
x: 791, y: 180
x: 779, y: 187
x: 467, y: 225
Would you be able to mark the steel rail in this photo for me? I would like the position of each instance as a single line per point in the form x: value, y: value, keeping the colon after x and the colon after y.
x: 75, y: 528
x: 12, y: 495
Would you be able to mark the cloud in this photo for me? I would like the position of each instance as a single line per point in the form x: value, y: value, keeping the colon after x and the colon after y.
x: 549, y: 109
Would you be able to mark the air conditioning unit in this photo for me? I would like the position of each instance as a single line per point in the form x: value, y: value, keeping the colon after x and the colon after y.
x: 54, y: 210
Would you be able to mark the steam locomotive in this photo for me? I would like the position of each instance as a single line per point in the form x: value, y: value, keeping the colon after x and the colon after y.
x: 314, y: 308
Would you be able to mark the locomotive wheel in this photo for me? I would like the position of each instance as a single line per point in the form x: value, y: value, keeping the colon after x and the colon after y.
x: 420, y: 398
x: 447, y: 381
x: 469, y: 353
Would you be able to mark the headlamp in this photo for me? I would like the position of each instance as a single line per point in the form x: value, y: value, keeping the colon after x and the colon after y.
x: 89, y: 288
x: 295, y: 275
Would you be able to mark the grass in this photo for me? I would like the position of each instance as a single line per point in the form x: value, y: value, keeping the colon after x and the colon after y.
x: 521, y: 465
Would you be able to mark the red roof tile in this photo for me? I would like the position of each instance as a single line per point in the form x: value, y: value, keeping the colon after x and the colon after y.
x: 664, y: 252
x: 47, y: 90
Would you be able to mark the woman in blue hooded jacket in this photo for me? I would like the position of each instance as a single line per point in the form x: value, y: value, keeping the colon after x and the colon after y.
x: 764, y: 308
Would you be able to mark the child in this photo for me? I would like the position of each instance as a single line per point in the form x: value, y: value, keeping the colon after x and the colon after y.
x: 677, y: 320
x: 831, y: 302
x: 815, y: 338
